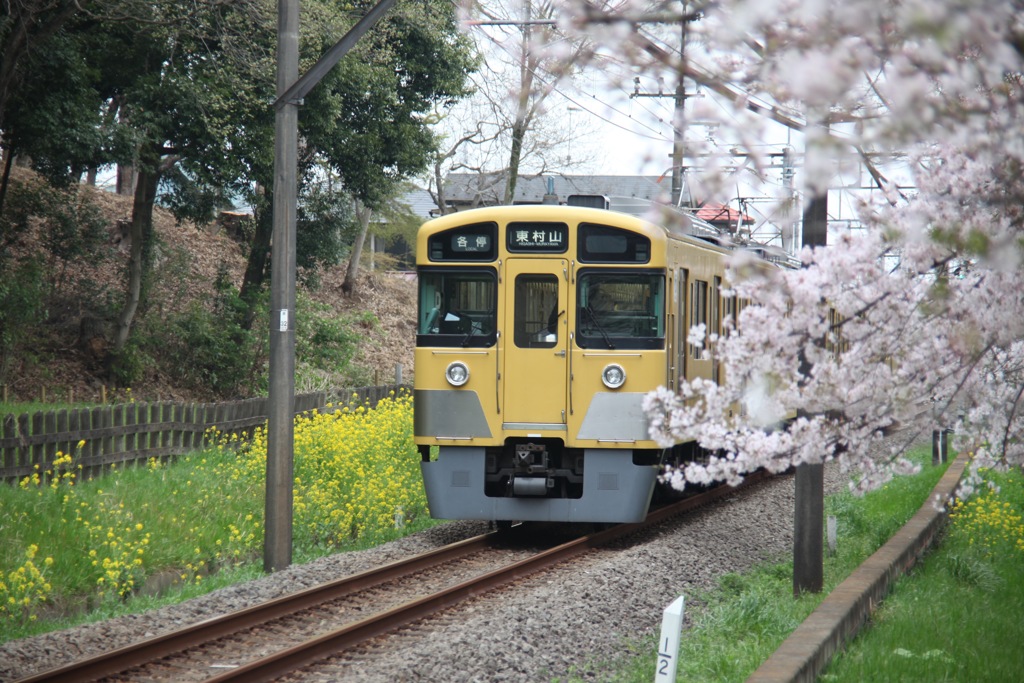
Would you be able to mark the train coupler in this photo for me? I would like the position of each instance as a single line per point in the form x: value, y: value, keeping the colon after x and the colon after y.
x: 530, y: 457
x: 532, y: 486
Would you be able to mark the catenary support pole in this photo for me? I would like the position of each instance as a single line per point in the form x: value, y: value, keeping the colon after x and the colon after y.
x: 277, y: 538
x: 277, y: 546
x: 809, y: 506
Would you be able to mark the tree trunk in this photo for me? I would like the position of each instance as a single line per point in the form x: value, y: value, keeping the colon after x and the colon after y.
x: 518, y: 134
x: 8, y: 159
x: 522, y: 122
x: 127, y: 180
x: 363, y: 216
x: 441, y: 200
x: 140, y: 232
x: 256, y: 266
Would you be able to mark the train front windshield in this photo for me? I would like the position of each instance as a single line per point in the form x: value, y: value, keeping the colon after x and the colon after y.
x: 622, y: 309
x: 457, y: 307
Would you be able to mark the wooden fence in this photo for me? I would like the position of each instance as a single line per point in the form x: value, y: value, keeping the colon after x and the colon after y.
x: 140, y: 431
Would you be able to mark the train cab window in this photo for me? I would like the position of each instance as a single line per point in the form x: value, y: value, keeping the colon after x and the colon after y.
x: 606, y: 244
x: 536, y: 311
x: 620, y: 309
x: 457, y: 307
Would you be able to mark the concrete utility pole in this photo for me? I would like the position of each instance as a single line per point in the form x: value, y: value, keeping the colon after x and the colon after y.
x: 809, y: 506
x: 808, y: 526
x: 277, y: 526
x: 679, y: 111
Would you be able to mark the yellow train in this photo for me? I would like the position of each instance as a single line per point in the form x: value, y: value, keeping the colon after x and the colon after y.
x: 540, y: 330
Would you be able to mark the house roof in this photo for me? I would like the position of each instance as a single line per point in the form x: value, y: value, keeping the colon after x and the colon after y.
x: 719, y: 213
x: 420, y: 202
x: 480, y: 189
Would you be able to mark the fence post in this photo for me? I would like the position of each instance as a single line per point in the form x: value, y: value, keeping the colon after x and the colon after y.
x: 25, y: 450
x: 128, y: 432
x: 8, y: 430
x: 47, y: 425
x: 167, y: 427
x: 67, y: 426
x: 131, y: 417
x: 103, y: 419
x: 188, y: 433
x: 117, y: 427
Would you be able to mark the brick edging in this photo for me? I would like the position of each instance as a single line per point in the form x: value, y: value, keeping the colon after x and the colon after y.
x: 809, y: 649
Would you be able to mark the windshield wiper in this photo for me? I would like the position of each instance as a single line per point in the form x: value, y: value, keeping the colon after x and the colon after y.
x: 469, y: 335
x: 597, y: 324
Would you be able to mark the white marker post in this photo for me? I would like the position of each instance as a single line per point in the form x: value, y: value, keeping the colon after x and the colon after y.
x: 668, y: 645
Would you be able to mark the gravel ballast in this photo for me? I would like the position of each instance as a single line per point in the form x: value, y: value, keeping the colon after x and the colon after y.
x: 571, y: 620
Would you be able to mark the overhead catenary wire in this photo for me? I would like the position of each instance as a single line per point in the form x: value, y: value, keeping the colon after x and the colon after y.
x: 655, y: 134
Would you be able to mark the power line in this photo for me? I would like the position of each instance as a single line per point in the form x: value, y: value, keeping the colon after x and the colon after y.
x: 547, y: 82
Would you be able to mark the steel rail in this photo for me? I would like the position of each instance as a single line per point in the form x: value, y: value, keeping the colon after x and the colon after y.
x: 274, y: 666
x: 151, y: 649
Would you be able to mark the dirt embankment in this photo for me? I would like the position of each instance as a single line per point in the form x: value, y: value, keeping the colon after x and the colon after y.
x: 65, y: 355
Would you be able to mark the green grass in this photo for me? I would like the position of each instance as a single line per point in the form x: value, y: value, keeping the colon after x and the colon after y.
x: 81, y: 550
x: 958, y: 615
x: 31, y: 407
x: 735, y: 627
x: 57, y: 401
x: 956, y: 618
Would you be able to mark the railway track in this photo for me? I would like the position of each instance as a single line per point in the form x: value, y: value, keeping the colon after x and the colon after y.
x: 270, y: 640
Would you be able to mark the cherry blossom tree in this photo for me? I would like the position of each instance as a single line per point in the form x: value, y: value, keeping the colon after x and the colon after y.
x: 914, y: 325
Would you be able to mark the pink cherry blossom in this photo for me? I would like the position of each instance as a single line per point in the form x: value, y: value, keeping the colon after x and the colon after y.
x: 931, y: 298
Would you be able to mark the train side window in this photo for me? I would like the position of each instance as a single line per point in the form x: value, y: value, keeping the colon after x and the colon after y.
x: 716, y: 306
x: 536, y: 311
x: 729, y: 313
x: 698, y: 313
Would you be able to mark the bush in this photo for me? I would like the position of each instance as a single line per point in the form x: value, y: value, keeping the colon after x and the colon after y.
x: 69, y: 227
x: 325, y: 344
x: 210, y: 349
x: 21, y: 308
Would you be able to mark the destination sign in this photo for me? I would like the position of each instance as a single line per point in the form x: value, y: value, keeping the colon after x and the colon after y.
x: 475, y: 242
x: 471, y: 244
x: 538, y: 237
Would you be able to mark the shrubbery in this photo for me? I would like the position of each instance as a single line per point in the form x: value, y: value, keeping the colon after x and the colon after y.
x: 357, y: 481
x: 66, y: 226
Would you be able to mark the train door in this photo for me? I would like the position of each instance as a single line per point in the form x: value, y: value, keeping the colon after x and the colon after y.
x: 533, y: 359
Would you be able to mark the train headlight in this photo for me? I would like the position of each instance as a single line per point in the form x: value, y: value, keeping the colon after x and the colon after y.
x: 457, y: 373
x: 613, y: 376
